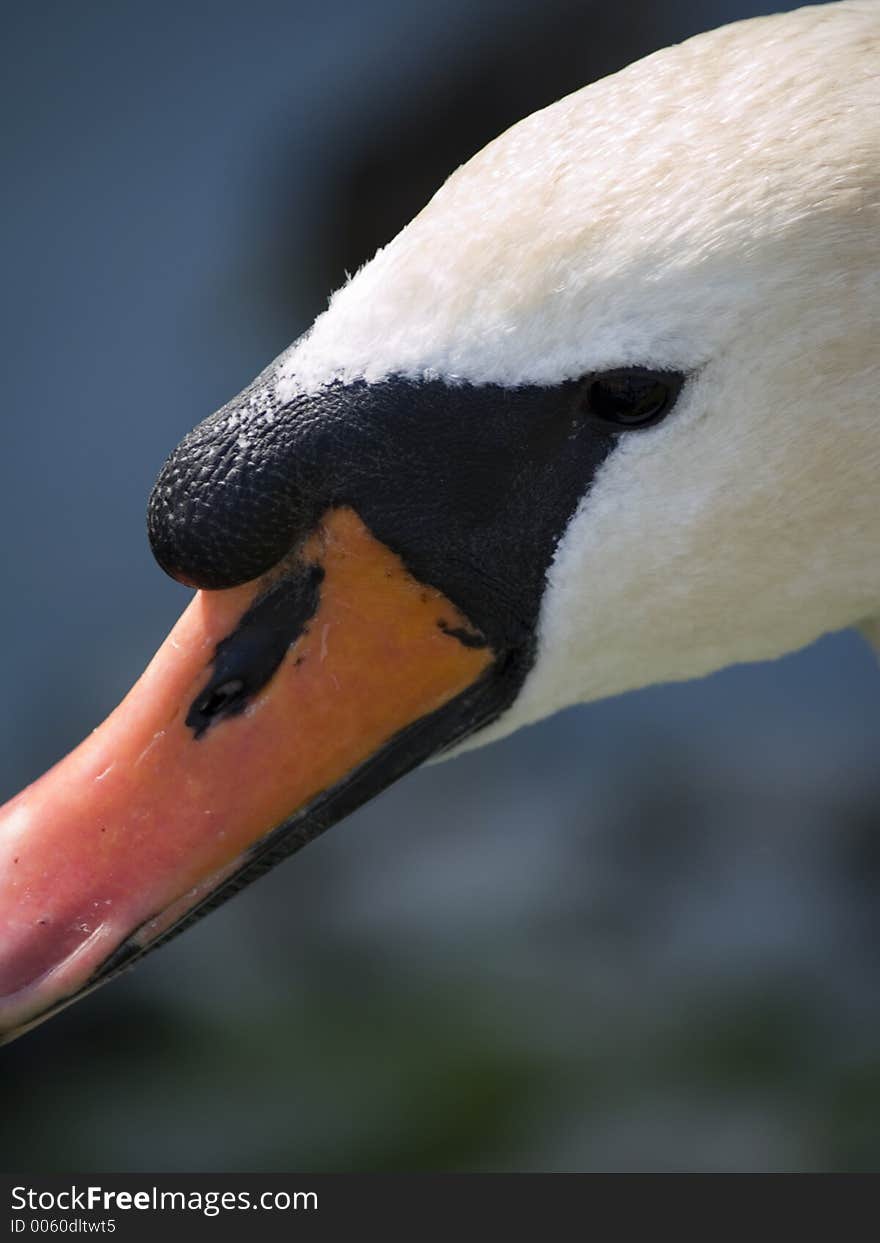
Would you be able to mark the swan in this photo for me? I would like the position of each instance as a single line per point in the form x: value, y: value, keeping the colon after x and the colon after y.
x: 603, y: 414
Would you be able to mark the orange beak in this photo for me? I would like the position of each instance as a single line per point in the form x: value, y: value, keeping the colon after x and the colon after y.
x: 193, y: 784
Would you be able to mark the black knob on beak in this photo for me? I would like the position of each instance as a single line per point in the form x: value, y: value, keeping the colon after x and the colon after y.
x: 236, y: 494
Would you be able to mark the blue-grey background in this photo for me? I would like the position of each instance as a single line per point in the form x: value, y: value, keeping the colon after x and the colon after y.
x: 642, y: 935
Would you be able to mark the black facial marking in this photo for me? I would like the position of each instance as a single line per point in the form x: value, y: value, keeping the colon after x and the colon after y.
x: 246, y: 659
x: 472, y: 485
x: 467, y: 638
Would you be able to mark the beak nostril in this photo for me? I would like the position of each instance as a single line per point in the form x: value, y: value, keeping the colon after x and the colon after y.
x: 221, y: 698
x: 247, y: 659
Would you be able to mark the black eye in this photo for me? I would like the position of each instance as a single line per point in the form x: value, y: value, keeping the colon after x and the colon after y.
x: 631, y: 397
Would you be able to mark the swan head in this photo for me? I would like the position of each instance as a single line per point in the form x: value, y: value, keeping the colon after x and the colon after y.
x: 711, y: 212
x: 603, y: 414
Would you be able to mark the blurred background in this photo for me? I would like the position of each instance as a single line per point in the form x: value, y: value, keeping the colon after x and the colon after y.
x: 640, y: 936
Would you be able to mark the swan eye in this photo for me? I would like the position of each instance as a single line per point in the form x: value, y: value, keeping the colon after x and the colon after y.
x: 631, y: 397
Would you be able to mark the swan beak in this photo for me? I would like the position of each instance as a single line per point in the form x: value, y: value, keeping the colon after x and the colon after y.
x: 208, y: 771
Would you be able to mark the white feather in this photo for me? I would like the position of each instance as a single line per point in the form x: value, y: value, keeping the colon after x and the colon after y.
x: 714, y: 208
